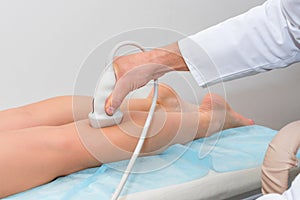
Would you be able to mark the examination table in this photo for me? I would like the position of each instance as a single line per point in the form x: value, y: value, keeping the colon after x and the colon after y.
x: 226, y: 165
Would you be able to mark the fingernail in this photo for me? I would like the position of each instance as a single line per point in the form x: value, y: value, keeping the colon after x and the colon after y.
x: 111, y: 110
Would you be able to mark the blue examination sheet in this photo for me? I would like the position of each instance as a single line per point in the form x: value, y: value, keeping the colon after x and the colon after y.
x: 229, y: 150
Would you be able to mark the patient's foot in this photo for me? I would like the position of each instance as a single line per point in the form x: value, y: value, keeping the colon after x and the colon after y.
x: 216, y: 110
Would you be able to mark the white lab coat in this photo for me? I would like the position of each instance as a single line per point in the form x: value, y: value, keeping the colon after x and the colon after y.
x: 264, y: 38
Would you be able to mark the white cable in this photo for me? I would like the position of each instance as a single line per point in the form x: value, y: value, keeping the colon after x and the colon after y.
x: 144, y: 131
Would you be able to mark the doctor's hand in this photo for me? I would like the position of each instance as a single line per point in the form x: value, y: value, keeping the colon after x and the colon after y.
x: 136, y: 70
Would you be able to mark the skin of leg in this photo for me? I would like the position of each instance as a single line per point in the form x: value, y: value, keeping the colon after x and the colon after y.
x: 59, y: 150
x: 51, y: 112
x: 34, y: 156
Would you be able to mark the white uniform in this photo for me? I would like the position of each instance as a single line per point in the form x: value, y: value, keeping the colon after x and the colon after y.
x: 264, y: 38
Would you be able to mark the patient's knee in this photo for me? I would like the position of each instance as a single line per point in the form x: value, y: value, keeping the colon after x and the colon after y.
x: 57, y: 139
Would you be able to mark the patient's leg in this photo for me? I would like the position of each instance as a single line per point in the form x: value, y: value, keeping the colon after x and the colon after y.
x: 214, y: 110
x: 51, y: 112
x: 34, y: 156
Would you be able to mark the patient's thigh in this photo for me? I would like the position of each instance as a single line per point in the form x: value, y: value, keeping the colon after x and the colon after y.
x: 50, y: 112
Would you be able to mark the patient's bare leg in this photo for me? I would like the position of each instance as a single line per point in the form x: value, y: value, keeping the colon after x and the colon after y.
x: 212, y: 106
x: 51, y: 112
x: 34, y: 156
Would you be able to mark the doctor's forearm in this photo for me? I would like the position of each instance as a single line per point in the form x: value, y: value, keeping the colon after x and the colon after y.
x: 156, y: 62
x: 170, y: 56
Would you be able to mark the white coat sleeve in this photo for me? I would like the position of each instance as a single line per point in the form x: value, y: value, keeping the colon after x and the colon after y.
x: 264, y: 38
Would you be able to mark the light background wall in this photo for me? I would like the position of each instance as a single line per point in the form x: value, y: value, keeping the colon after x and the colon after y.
x: 43, y: 44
